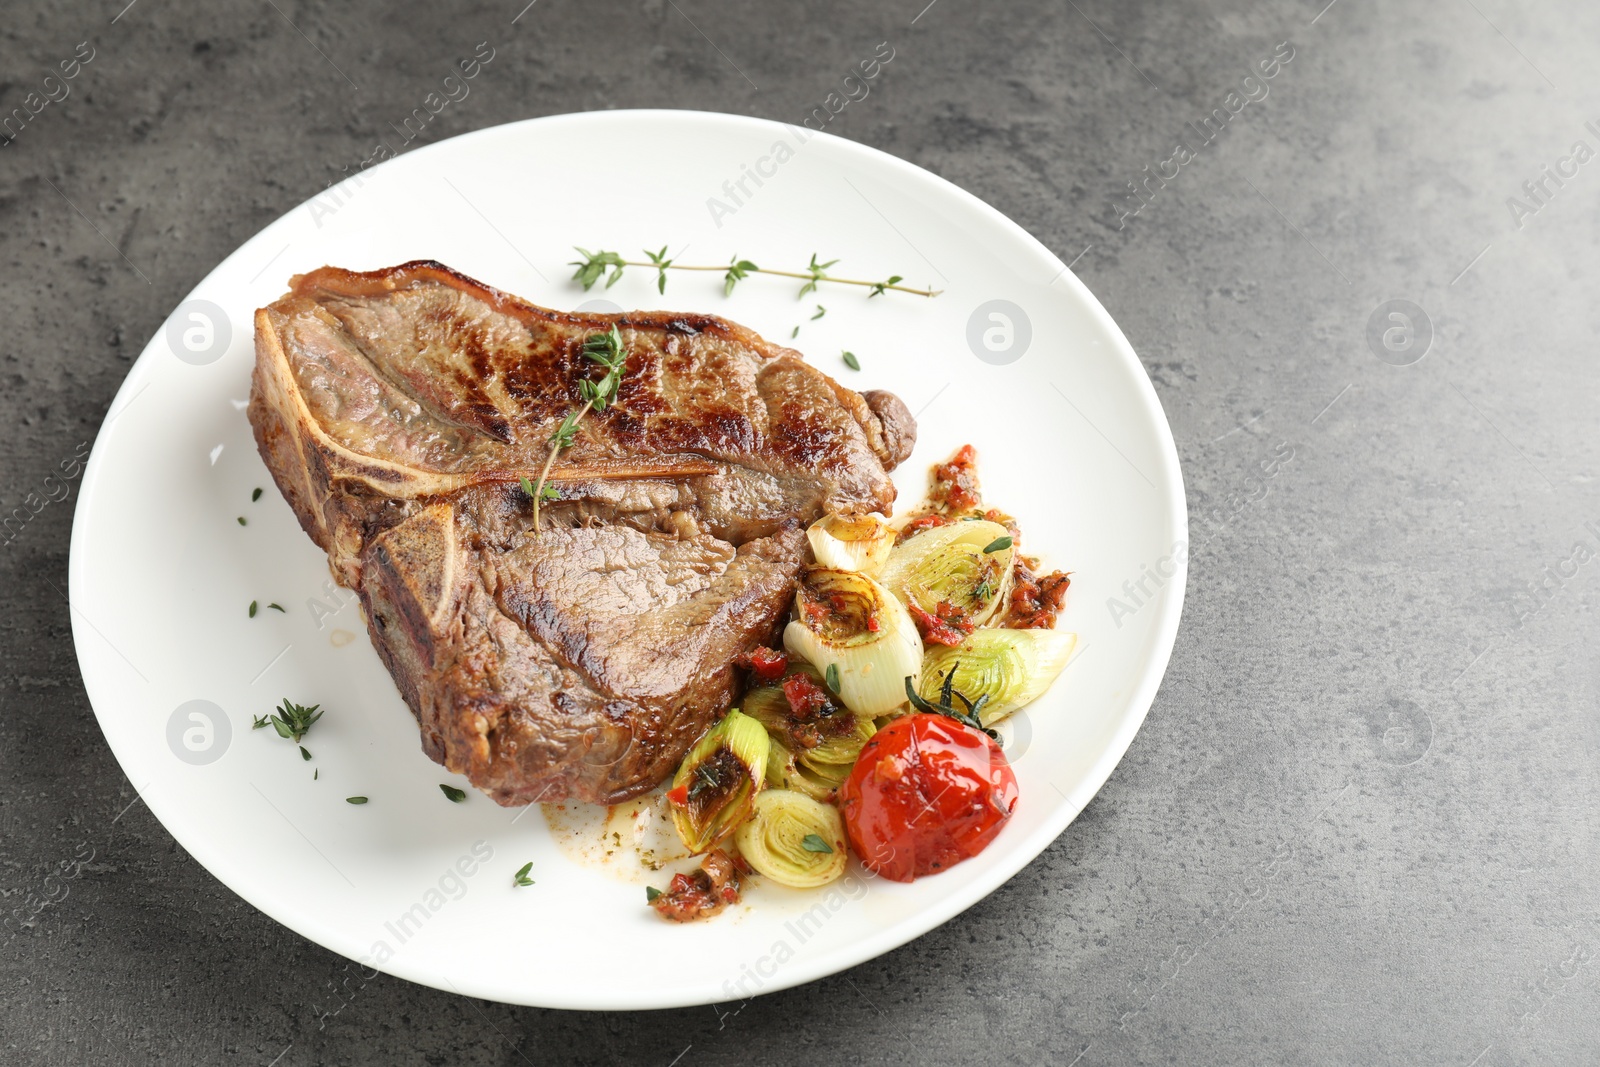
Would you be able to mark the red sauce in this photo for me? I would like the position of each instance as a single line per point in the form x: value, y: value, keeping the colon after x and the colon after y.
x: 713, y: 886
x: 807, y: 699
x: 926, y: 793
x: 766, y: 664
x: 996, y: 515
x: 955, y: 482
x: 1035, y: 600
x: 918, y: 524
x: 947, y: 625
x: 813, y: 716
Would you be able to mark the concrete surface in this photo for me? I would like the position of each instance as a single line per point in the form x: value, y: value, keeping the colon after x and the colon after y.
x: 1359, y: 826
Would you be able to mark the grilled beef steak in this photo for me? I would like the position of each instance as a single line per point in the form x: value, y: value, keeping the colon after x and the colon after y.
x: 399, y: 411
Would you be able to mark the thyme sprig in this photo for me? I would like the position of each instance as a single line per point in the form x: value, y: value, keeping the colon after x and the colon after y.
x: 290, y: 721
x: 605, y: 349
x: 609, y: 265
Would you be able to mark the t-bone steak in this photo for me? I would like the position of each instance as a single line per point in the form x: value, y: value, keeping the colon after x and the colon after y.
x: 400, y: 410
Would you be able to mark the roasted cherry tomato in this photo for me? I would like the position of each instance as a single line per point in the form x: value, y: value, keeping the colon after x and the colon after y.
x: 926, y: 793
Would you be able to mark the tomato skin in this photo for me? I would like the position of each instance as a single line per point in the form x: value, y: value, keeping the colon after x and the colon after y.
x: 926, y: 793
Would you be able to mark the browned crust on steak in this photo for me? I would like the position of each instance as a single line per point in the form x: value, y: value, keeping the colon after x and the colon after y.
x: 398, y: 411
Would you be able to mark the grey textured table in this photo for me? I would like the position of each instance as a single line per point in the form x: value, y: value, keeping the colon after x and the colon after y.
x: 1359, y: 825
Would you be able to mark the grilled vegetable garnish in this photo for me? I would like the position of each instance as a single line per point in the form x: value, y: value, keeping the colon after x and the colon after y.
x: 794, y: 840
x: 712, y: 887
x: 1011, y: 668
x: 859, y: 542
x: 847, y: 622
x: 717, y: 782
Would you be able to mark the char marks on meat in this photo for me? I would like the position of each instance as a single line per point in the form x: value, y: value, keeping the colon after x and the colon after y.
x: 399, y: 411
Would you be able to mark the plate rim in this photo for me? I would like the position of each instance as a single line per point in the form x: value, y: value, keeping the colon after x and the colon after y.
x: 1000, y: 871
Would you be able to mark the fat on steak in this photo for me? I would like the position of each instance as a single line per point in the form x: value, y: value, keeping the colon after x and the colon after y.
x: 399, y: 410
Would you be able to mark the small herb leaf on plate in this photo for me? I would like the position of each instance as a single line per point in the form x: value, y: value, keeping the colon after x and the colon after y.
x: 815, y: 843
x: 252, y: 609
x: 255, y: 496
x: 999, y: 544
x: 291, y: 720
x: 355, y: 800
x: 650, y: 894
x: 851, y: 361
x: 521, y: 877
x: 456, y: 795
x: 594, y: 265
x: 738, y: 271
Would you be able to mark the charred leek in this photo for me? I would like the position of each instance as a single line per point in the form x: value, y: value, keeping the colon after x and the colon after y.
x: 839, y: 750
x: 716, y: 784
x: 770, y: 706
x: 1009, y: 667
x: 846, y: 621
x: 965, y: 565
x: 794, y: 840
x: 851, y: 542
x: 813, y: 749
x: 784, y: 771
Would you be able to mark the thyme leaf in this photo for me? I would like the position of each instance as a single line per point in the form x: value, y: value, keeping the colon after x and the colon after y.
x: 705, y: 777
x: 879, y: 287
x: 815, y: 843
x: 661, y: 264
x: 521, y: 877
x: 594, y: 265
x: 738, y: 271
x: 455, y: 795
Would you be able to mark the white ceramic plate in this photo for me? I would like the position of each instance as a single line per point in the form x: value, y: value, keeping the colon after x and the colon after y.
x: 1071, y: 437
